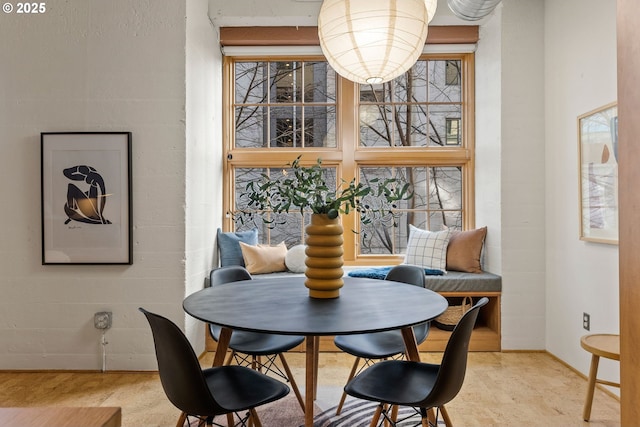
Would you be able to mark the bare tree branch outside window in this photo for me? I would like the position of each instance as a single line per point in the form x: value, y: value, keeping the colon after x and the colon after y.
x: 296, y: 105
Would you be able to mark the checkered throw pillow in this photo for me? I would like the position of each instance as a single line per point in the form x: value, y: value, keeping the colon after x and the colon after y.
x: 427, y: 249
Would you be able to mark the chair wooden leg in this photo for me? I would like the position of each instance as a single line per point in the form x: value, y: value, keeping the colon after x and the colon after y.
x: 394, y: 413
x: 181, y: 420
x: 430, y: 416
x: 593, y: 373
x: 254, y: 418
x: 376, y: 416
x: 292, y: 380
x: 352, y: 374
x: 427, y: 417
x: 230, y: 421
x: 230, y: 358
x: 445, y: 416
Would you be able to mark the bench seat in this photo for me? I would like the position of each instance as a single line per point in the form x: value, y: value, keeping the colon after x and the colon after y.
x: 456, y: 281
x: 453, y: 281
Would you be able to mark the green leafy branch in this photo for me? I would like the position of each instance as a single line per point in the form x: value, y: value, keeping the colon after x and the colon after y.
x: 305, y: 189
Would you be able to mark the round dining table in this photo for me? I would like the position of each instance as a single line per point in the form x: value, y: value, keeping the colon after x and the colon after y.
x: 281, y: 305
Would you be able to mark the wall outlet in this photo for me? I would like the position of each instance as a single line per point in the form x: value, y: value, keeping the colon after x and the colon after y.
x: 102, y: 320
x: 586, y: 321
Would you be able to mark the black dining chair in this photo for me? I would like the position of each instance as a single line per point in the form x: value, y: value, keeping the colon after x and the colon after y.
x: 249, y: 348
x: 206, y: 393
x: 420, y: 385
x: 382, y: 345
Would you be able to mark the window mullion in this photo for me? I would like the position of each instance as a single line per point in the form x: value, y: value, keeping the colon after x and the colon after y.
x: 348, y: 137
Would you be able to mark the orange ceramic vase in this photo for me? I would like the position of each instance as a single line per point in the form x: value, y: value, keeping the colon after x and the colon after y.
x: 324, y: 257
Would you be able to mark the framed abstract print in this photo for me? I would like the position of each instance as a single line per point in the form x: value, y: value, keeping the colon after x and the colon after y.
x: 598, y: 157
x: 86, y: 198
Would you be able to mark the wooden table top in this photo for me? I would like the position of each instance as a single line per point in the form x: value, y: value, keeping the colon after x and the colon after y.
x: 283, y: 305
x: 61, y: 417
x: 604, y: 345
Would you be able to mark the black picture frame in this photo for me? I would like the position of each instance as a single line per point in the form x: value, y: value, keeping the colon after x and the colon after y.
x: 86, y: 198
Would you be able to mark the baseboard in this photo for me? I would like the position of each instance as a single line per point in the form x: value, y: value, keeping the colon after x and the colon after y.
x: 586, y: 378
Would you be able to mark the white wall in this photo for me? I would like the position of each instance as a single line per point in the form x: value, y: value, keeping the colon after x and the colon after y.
x: 292, y: 12
x: 522, y: 177
x: 539, y: 65
x: 488, y: 140
x: 204, y: 153
x: 580, y: 72
x: 264, y: 13
x: 91, y: 65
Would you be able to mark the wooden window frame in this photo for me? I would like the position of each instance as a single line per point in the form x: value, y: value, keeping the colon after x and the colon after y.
x: 348, y: 156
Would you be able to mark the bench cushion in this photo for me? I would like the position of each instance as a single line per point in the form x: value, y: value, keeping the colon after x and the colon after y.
x: 456, y: 281
x: 453, y: 281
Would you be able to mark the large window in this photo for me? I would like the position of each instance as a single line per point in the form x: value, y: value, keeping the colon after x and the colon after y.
x: 417, y: 128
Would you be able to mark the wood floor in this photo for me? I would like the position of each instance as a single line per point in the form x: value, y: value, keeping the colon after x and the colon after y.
x: 501, y: 389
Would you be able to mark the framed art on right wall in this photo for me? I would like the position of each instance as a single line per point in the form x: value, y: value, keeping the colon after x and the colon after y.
x: 598, y: 157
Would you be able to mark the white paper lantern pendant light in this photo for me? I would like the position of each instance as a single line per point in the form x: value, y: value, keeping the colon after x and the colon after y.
x: 372, y: 41
x: 432, y: 5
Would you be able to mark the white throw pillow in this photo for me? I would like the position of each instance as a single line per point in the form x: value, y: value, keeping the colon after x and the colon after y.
x: 427, y: 249
x: 294, y: 260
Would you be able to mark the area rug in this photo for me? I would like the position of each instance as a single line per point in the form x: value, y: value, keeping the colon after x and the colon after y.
x: 358, y: 413
x: 355, y: 413
x: 285, y: 412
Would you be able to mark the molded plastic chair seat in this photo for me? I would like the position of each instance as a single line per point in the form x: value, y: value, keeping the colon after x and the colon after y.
x: 387, y: 344
x: 242, y: 388
x: 258, y: 344
x: 255, y: 345
x: 205, y: 393
x: 422, y: 385
x: 415, y: 377
x: 378, y: 345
